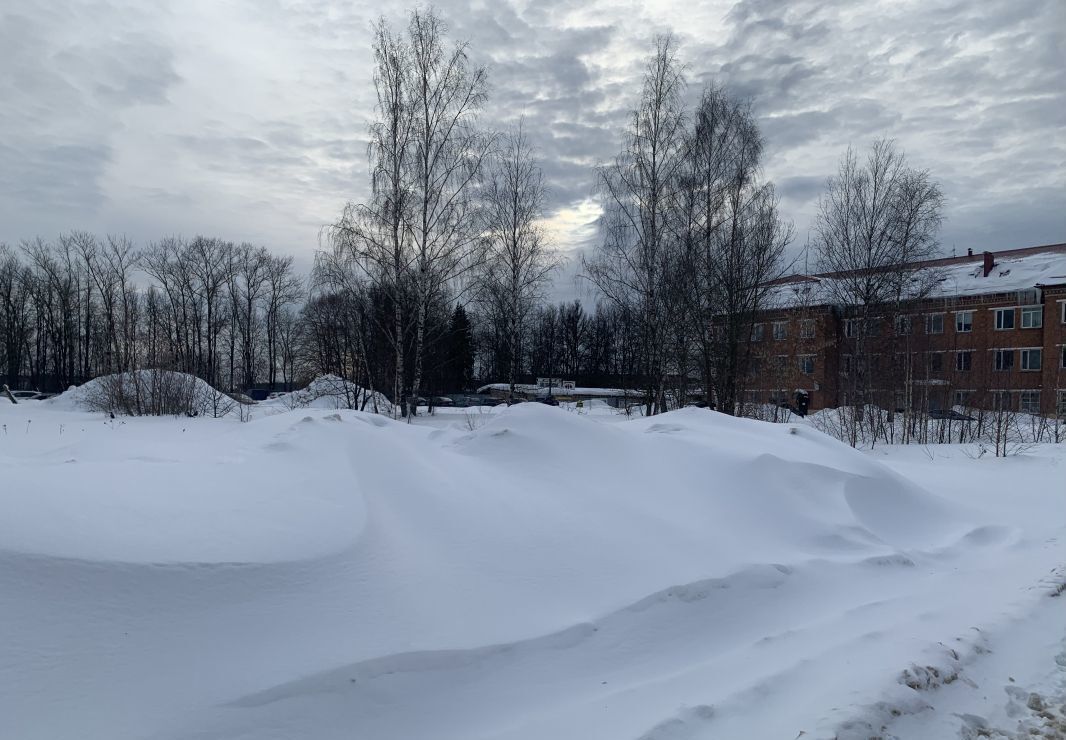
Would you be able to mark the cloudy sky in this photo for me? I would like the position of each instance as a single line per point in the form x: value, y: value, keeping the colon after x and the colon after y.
x: 246, y: 118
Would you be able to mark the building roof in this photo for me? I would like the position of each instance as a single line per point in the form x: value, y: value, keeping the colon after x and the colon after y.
x: 559, y: 391
x: 1012, y: 270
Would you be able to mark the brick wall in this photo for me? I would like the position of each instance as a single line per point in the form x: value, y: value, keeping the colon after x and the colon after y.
x: 1017, y: 359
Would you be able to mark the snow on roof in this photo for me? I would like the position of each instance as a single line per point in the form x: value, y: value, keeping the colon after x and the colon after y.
x: 958, y: 278
x: 559, y: 390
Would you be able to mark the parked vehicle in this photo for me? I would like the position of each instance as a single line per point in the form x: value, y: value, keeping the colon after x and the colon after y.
x: 28, y: 395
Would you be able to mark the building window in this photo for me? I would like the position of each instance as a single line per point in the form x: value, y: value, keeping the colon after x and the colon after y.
x: 962, y: 398
x: 1029, y: 402
x: 963, y: 361
x: 1062, y: 305
x: 756, y: 332
x: 851, y: 327
x: 1031, y: 359
x: 1032, y: 317
x: 1004, y: 318
x: 806, y: 363
x: 934, y: 323
x: 780, y: 330
x: 807, y: 329
x: 935, y: 362
x: 781, y: 361
x: 1001, y: 400
x: 1004, y: 359
x: 963, y: 322
x: 1062, y: 362
x: 903, y: 325
x: 754, y: 365
x: 1060, y: 404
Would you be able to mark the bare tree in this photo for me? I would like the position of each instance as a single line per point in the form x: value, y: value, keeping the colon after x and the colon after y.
x: 877, y: 219
x: 375, y: 236
x: 284, y: 289
x: 733, y: 239
x: 637, y: 258
x: 519, y: 262
x: 447, y: 153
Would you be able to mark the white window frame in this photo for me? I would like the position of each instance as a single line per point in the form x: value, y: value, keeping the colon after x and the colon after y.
x: 903, y: 326
x: 757, y: 332
x: 929, y: 362
x: 803, y: 359
x: 929, y: 323
x: 1001, y: 400
x: 1027, y: 359
x: 996, y: 354
x: 782, y: 335
x: 1030, y: 311
x: 807, y: 328
x: 1060, y: 403
x: 962, y: 398
x: 958, y: 361
x: 1025, y: 401
x: 849, y: 327
x: 1000, y: 313
x: 958, y: 319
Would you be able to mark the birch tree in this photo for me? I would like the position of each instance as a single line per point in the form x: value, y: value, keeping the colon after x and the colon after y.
x: 638, y: 255
x: 519, y: 263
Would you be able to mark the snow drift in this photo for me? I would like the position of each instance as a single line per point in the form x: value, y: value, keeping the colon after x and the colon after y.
x: 334, y: 392
x: 330, y: 575
x: 147, y: 393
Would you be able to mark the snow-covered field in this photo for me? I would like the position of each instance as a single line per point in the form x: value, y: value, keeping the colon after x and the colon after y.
x: 519, y: 574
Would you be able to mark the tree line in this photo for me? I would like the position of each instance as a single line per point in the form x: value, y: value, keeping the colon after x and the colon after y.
x: 436, y: 280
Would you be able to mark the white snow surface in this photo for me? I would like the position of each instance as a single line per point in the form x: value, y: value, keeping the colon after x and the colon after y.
x: 539, y: 574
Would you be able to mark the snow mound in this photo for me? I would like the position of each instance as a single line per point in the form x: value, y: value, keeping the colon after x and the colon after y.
x: 147, y: 393
x: 334, y: 392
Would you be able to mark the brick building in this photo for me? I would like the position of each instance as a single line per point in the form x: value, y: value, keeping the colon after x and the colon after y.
x: 990, y: 334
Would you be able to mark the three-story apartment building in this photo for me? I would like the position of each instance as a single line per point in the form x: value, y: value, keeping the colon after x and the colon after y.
x: 991, y: 333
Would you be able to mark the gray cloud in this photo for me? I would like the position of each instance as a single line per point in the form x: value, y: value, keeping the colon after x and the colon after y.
x: 248, y: 119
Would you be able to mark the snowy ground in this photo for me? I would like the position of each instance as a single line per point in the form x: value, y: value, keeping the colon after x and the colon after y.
x: 520, y: 574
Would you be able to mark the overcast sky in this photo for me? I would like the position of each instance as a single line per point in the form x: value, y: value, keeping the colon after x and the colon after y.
x: 247, y: 119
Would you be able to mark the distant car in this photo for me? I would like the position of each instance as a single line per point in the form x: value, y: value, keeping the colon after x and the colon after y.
x: 548, y: 400
x: 443, y: 401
